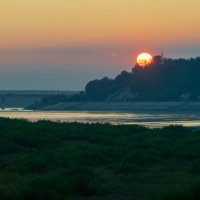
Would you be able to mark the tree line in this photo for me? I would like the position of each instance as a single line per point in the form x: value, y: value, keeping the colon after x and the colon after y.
x: 166, y: 80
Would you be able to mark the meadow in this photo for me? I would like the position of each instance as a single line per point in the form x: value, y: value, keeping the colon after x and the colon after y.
x: 57, y: 161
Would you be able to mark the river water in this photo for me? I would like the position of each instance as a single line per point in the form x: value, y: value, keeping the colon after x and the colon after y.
x: 146, y: 119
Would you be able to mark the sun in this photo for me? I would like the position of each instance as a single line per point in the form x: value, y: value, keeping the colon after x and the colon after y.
x: 144, y: 59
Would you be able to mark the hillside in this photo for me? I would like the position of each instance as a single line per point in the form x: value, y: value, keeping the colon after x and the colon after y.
x: 165, y: 80
x: 24, y: 98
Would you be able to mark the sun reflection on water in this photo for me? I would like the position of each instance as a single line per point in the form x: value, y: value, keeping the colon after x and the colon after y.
x: 152, y: 120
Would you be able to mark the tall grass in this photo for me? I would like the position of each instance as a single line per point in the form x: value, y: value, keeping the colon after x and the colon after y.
x: 49, y: 160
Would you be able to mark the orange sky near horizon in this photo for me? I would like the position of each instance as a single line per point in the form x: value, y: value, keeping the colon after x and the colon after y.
x: 73, y: 23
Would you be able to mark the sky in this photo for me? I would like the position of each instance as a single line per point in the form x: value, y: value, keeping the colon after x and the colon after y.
x: 63, y: 44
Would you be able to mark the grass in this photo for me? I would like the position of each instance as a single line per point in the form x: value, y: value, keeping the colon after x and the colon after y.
x: 48, y: 160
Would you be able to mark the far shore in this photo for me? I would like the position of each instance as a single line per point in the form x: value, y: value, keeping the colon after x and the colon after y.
x: 126, y: 106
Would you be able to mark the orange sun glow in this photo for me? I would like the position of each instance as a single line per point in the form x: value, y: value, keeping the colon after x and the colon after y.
x: 144, y: 59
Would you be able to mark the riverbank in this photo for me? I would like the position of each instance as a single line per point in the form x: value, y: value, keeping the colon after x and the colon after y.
x: 55, y: 161
x: 125, y: 106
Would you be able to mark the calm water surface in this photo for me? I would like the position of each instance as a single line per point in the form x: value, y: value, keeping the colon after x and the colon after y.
x: 146, y: 119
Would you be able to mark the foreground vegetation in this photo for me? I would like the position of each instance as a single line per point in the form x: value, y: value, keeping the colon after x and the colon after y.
x: 47, y: 160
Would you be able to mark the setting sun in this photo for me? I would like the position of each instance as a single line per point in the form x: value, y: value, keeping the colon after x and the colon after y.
x: 144, y: 59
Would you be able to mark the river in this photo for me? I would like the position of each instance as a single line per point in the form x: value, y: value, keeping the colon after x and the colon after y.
x: 152, y: 120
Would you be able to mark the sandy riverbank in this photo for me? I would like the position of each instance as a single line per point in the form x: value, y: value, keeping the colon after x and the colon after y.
x: 127, y: 106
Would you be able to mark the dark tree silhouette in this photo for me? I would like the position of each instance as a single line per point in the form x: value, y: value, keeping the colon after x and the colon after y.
x: 164, y: 80
x: 169, y: 80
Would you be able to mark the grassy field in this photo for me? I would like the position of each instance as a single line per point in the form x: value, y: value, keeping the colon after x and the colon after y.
x: 58, y: 161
